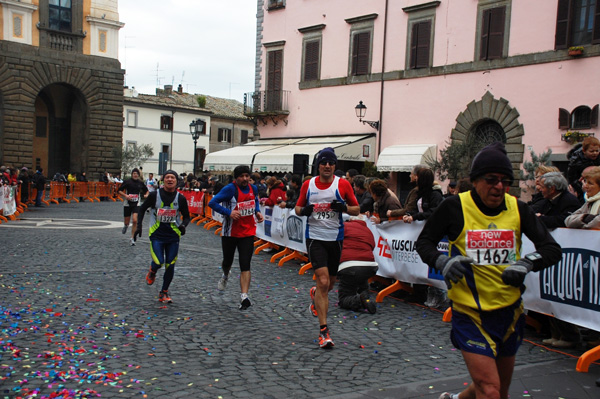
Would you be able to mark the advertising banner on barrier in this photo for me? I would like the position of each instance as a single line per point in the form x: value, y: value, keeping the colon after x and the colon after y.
x: 9, y: 205
x: 194, y: 199
x: 569, y: 290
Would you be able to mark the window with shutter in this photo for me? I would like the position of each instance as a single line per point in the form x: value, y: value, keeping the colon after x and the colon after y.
x: 274, y: 79
x: 594, y: 116
x: 311, y: 60
x: 492, y: 33
x: 581, y: 117
x: 165, y: 122
x: 563, y: 119
x: 577, y: 23
x: 596, y: 32
x: 420, y: 42
x: 361, y: 49
x: 244, y: 137
x: 561, y: 39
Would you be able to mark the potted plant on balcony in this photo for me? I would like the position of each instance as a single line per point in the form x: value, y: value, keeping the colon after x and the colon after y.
x: 573, y: 136
x: 575, y: 51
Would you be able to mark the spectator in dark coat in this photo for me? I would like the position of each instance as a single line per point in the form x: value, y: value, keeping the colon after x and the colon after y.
x: 363, y: 196
x: 291, y: 195
x: 428, y: 197
x: 384, y: 201
x: 39, y: 181
x: 579, y: 159
x: 24, y: 182
x: 559, y: 202
x: 410, y: 205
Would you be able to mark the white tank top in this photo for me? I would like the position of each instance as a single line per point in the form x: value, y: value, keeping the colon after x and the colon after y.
x: 324, y: 223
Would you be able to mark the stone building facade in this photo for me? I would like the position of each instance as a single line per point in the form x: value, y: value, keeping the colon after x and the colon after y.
x: 61, y: 86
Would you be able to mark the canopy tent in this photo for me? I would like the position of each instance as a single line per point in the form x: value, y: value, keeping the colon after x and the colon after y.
x: 347, y: 148
x: 277, y: 155
x: 227, y: 160
x: 403, y: 158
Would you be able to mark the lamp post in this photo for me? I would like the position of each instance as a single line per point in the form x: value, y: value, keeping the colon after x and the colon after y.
x: 196, y: 129
x: 361, y: 111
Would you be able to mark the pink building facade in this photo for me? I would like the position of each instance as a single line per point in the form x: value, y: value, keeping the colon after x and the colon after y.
x: 430, y: 72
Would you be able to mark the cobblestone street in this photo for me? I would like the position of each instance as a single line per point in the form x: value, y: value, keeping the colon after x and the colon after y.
x: 77, y: 316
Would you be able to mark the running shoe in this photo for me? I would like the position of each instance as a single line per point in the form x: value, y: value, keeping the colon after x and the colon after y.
x: 312, y: 308
x: 325, y: 340
x: 367, y: 302
x: 164, y: 297
x: 222, y: 283
x: 132, y: 241
x: 124, y: 229
x: 150, y: 277
x: 245, y: 304
x: 446, y: 395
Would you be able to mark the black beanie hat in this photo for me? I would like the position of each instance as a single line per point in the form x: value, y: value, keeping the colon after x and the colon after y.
x: 491, y: 159
x: 134, y: 171
x: 326, y: 154
x: 171, y: 172
x: 240, y: 170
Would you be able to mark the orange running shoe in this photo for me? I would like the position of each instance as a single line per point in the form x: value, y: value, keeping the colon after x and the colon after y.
x: 150, y: 277
x: 164, y: 297
x: 325, y: 340
x: 312, y: 308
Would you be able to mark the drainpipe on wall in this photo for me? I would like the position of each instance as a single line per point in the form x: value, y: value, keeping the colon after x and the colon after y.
x: 171, y: 147
x: 385, y: 23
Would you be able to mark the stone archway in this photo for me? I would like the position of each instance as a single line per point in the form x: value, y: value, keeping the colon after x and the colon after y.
x: 499, y: 111
x: 90, y: 89
x: 59, y: 142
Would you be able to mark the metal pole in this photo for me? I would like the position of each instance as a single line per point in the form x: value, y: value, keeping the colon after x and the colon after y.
x: 195, y: 163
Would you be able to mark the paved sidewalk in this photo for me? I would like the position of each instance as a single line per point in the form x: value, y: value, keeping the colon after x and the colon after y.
x: 77, y: 317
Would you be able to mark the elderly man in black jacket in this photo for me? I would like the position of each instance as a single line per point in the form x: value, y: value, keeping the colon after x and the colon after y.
x: 558, y: 201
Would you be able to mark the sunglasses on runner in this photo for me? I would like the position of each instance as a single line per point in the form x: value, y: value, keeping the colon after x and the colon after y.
x: 328, y: 163
x: 493, y: 180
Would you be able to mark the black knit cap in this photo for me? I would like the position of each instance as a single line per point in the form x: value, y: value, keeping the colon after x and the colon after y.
x: 327, y: 154
x: 491, y: 159
x: 240, y: 170
x: 170, y: 172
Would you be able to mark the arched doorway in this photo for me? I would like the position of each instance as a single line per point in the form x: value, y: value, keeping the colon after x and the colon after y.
x: 486, y: 121
x: 60, y: 130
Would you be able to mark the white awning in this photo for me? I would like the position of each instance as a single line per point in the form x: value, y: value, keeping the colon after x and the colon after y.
x: 402, y: 158
x: 347, y: 148
x: 227, y: 160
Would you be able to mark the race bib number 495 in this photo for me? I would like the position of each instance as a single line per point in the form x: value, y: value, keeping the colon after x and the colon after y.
x: 166, y: 215
x: 246, y: 208
x: 323, y: 211
x: 491, y: 247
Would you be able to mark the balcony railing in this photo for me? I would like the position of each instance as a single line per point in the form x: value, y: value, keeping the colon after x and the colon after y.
x: 59, y: 40
x: 266, y: 103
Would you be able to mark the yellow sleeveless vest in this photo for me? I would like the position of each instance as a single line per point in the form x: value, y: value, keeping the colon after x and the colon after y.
x: 482, y: 287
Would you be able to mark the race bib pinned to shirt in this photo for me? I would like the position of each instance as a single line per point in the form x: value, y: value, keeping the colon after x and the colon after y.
x: 246, y: 208
x: 323, y: 211
x: 134, y: 197
x: 166, y: 215
x: 491, y: 247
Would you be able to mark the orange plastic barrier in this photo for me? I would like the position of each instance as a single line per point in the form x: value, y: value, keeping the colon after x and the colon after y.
x: 79, y: 191
x: 58, y: 192
x: 103, y: 191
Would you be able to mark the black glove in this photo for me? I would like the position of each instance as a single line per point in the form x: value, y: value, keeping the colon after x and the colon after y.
x: 182, y: 229
x: 453, y: 269
x: 138, y: 233
x: 338, y: 206
x: 515, y: 273
x: 307, y: 210
x: 588, y: 218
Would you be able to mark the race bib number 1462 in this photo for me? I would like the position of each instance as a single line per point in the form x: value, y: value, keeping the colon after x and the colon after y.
x: 491, y: 247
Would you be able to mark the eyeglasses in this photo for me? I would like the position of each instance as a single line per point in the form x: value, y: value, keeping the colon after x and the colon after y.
x: 493, y: 180
x: 328, y: 163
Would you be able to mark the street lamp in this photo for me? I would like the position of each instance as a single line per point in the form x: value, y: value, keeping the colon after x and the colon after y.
x: 361, y: 111
x: 196, y: 129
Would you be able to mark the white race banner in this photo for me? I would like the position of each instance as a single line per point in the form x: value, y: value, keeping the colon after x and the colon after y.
x: 9, y: 205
